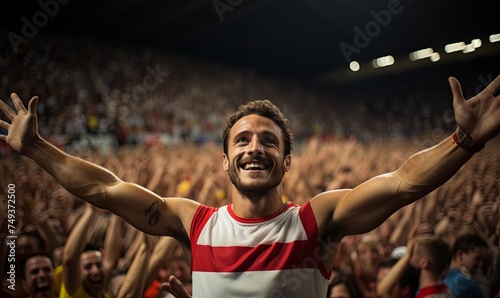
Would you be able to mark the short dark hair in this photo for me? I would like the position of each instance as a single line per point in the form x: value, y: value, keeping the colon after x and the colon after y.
x: 434, y: 248
x: 467, y: 243
x: 387, y: 262
x: 90, y: 247
x: 25, y: 259
x: 350, y: 283
x: 264, y: 108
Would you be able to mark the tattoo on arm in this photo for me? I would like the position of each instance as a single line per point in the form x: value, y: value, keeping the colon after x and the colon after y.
x: 154, y: 214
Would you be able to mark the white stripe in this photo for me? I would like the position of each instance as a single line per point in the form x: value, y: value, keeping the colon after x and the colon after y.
x: 290, y: 283
x: 223, y: 230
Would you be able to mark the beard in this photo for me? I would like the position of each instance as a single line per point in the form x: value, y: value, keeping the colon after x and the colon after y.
x: 255, y: 189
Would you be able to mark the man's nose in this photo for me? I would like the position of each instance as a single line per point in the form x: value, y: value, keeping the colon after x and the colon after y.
x: 255, y: 146
x: 94, y: 269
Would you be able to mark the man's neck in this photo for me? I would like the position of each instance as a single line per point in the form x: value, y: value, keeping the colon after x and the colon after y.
x: 257, y: 207
x: 428, y: 279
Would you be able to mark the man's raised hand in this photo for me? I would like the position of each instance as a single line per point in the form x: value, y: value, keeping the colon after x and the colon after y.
x: 23, y: 128
x: 480, y: 115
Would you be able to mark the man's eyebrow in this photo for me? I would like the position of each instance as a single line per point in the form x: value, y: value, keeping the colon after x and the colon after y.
x: 265, y: 132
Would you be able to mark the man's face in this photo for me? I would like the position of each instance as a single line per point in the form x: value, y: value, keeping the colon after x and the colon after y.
x: 180, y: 269
x: 368, y: 255
x: 255, y: 159
x: 59, y: 204
x: 91, y: 265
x: 27, y: 244
x: 39, y: 277
x: 472, y: 260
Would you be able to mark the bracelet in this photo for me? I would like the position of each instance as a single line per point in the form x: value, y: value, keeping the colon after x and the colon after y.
x: 465, y: 140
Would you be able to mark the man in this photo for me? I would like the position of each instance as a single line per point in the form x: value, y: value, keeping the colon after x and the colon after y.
x: 82, y: 266
x: 26, y: 244
x: 259, y: 246
x: 29, y: 242
x: 431, y: 256
x: 468, y: 252
x: 37, y: 275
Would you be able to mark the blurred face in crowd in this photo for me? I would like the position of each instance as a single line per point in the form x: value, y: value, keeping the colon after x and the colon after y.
x: 472, y: 260
x: 91, y: 265
x: 180, y: 269
x: 368, y: 254
x: 255, y: 159
x: 39, y: 277
x: 27, y: 244
x: 60, y: 204
x: 454, y: 212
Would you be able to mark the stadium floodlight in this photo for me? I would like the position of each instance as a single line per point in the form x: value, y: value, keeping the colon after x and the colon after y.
x: 454, y: 47
x: 494, y: 38
x: 383, y: 61
x: 421, y: 54
x: 354, y: 66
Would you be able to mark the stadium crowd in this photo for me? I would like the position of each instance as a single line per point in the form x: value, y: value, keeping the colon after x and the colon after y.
x: 162, y: 114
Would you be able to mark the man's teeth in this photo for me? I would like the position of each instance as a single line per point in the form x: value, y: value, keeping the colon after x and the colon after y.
x: 42, y: 284
x: 253, y: 166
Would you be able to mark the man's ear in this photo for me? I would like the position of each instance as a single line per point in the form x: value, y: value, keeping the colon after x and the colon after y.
x: 460, y: 254
x: 225, y: 162
x: 287, y: 163
x: 424, y: 263
x: 23, y: 283
x: 405, y: 290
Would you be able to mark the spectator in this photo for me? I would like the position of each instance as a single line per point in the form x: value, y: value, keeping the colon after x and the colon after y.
x: 37, y: 275
x: 468, y: 252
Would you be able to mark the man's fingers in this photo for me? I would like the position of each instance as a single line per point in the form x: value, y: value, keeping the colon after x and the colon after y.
x: 175, y: 286
x: 7, y: 110
x: 33, y: 105
x: 4, y: 125
x: 456, y: 89
x: 17, y: 102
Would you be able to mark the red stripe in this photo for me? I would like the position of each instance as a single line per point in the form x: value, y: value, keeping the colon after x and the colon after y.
x: 309, y: 221
x: 311, y: 227
x: 200, y: 218
x: 262, y: 257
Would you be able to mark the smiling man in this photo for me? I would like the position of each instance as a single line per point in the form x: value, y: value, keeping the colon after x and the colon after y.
x: 37, y: 275
x: 259, y: 246
x: 82, y: 266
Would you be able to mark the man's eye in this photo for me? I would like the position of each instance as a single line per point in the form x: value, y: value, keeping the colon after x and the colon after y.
x: 268, y: 141
x: 241, y: 140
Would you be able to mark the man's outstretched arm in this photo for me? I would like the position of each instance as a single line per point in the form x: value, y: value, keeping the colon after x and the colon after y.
x: 92, y: 183
x: 365, y: 207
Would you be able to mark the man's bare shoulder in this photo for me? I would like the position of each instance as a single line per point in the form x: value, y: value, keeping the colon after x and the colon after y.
x: 324, y: 204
